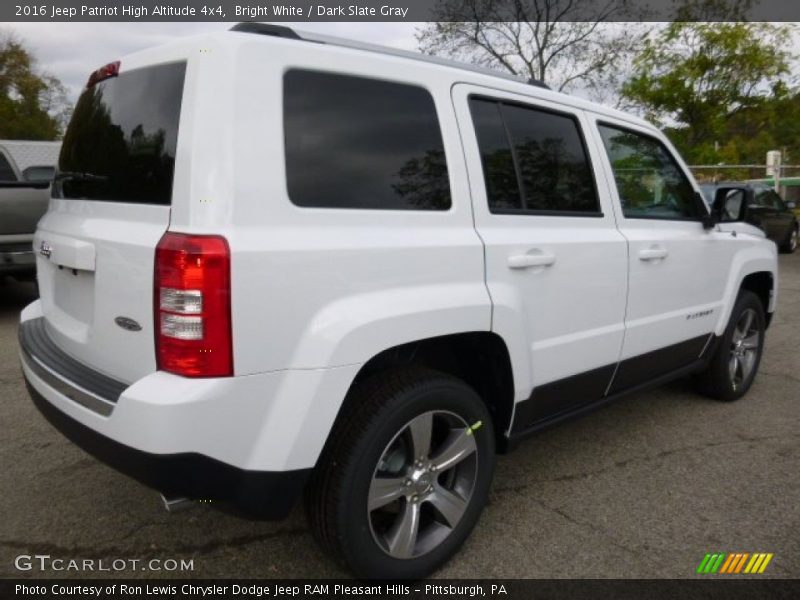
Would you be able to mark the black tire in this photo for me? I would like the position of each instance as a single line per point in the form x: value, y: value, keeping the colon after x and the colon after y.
x: 790, y: 244
x: 376, y: 416
x: 717, y: 380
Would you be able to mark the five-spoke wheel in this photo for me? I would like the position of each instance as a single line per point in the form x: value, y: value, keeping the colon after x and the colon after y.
x: 745, y: 345
x: 733, y: 366
x: 422, y: 484
x: 405, y: 475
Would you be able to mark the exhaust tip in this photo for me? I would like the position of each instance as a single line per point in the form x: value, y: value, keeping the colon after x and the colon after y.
x: 175, y: 503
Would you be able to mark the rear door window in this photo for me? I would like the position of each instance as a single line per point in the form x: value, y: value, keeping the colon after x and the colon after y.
x: 121, y: 142
x: 502, y: 187
x: 354, y: 142
x: 534, y: 160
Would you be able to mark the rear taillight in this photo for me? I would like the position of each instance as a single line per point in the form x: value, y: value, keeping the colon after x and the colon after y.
x: 193, y: 305
x: 105, y: 72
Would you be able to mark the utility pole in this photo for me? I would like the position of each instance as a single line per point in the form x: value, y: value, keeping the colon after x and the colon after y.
x: 774, y: 168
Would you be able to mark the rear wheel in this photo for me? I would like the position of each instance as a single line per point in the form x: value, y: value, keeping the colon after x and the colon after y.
x: 405, y: 474
x: 735, y: 363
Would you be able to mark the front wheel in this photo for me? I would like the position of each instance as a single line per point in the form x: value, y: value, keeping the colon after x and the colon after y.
x: 790, y: 245
x: 405, y: 474
x: 735, y: 363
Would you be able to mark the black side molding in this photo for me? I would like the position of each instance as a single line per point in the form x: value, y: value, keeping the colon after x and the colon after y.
x: 641, y: 369
x: 563, y: 395
x: 573, y: 396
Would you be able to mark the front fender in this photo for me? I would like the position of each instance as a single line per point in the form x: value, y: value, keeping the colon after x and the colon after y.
x: 760, y: 257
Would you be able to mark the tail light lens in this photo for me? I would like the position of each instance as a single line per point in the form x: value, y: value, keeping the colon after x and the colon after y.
x: 193, y: 305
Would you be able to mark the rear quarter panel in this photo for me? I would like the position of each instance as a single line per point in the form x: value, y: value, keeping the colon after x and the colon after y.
x: 315, y: 287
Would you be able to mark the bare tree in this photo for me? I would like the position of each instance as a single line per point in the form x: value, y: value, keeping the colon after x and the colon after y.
x: 568, y: 44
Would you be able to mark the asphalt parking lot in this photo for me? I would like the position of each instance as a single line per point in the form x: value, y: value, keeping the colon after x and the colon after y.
x: 643, y: 488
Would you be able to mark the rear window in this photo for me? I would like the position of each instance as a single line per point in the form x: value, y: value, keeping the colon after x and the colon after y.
x: 120, y: 144
x: 353, y: 142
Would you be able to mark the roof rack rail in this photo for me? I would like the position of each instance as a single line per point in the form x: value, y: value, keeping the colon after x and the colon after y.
x: 267, y: 29
x: 287, y: 32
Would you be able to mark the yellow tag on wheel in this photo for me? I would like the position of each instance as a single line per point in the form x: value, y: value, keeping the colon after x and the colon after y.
x: 474, y: 427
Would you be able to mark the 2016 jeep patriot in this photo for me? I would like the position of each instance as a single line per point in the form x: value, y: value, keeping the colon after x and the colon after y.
x: 276, y: 263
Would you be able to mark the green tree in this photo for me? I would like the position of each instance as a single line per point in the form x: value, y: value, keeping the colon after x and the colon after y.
x: 33, y: 104
x: 703, y: 78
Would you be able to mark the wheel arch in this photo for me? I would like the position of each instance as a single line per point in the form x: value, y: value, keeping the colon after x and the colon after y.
x: 754, y: 269
x: 761, y: 283
x: 480, y: 358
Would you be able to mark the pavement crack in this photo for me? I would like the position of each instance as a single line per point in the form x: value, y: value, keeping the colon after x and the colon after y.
x: 742, y: 439
x: 587, y: 525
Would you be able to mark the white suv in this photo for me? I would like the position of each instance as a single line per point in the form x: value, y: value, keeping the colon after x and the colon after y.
x: 275, y: 263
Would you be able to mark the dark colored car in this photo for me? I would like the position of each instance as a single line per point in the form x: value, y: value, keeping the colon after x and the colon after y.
x: 767, y: 210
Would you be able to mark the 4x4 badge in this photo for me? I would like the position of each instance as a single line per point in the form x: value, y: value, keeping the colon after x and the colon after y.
x: 128, y: 324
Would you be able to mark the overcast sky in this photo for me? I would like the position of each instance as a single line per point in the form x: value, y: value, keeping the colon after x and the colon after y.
x: 71, y: 51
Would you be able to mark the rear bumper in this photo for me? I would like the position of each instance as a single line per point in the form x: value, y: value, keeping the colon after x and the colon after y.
x: 249, y: 439
x: 264, y: 494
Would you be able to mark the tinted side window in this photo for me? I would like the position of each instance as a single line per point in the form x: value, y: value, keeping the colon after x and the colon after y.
x: 554, y: 170
x: 768, y: 198
x: 649, y: 182
x: 533, y: 160
x: 6, y: 172
x: 502, y: 188
x: 353, y: 142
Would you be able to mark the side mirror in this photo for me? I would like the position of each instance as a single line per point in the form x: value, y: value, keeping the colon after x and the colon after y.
x: 791, y: 205
x: 730, y: 204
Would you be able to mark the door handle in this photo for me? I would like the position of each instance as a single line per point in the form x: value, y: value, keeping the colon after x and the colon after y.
x: 538, y: 259
x: 654, y: 253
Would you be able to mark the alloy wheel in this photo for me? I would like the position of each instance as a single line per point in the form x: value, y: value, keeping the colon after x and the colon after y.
x: 745, y: 345
x: 423, y: 484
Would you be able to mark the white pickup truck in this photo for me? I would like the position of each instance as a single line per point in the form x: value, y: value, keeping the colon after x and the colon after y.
x: 277, y: 262
x: 26, y: 169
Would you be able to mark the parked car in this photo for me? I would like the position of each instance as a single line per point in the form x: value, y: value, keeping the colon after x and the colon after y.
x: 24, y: 195
x: 278, y: 262
x: 766, y: 210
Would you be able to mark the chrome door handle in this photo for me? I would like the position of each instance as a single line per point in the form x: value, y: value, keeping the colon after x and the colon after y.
x: 654, y: 253
x: 524, y: 261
